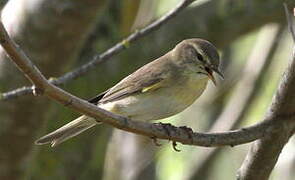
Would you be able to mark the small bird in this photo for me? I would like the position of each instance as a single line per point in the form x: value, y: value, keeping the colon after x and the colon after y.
x: 159, y: 89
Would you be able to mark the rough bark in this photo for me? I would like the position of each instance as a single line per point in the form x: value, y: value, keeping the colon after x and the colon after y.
x: 264, y: 153
x: 245, y: 92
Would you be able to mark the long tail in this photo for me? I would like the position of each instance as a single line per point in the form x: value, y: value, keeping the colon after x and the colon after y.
x: 67, y: 131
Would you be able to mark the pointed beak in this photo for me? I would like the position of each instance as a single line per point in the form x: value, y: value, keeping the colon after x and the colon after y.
x: 212, y: 79
x: 211, y: 76
x: 219, y: 73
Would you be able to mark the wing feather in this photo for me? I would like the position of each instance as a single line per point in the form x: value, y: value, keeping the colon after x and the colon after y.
x: 149, y: 77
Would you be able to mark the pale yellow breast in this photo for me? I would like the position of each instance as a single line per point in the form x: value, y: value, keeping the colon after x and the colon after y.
x: 191, y: 91
x: 161, y: 103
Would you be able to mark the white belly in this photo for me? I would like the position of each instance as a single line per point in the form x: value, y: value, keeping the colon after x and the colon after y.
x: 157, y: 104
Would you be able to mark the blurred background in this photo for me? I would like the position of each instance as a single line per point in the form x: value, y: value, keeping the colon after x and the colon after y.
x: 60, y: 35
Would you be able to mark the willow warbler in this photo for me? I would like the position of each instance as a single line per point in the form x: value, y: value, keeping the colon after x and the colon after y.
x: 162, y: 88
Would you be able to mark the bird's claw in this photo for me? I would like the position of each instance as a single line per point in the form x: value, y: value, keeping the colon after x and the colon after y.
x: 174, y: 144
x: 167, y: 127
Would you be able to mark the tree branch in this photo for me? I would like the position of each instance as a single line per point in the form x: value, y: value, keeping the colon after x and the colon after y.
x: 117, y: 48
x: 151, y: 130
x: 247, y: 88
x: 264, y: 153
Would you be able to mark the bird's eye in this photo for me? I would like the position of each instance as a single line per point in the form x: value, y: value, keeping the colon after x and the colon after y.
x: 200, y: 57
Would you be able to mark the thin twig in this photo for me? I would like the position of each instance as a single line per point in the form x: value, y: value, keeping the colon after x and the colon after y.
x: 78, y: 72
x: 181, y: 135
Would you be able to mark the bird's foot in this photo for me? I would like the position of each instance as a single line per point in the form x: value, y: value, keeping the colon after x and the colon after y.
x: 168, y: 128
x: 174, y: 144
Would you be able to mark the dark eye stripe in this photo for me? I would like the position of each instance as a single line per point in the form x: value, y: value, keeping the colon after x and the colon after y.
x: 194, y: 50
x: 200, y: 57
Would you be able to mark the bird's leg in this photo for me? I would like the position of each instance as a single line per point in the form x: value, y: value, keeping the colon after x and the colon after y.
x: 167, y: 128
x: 155, y: 140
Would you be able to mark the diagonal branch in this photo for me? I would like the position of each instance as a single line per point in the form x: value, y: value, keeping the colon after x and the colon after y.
x: 181, y: 135
x: 265, y: 152
x: 244, y: 94
x: 117, y: 48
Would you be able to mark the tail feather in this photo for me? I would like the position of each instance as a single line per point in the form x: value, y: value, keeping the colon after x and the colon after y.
x: 67, y: 131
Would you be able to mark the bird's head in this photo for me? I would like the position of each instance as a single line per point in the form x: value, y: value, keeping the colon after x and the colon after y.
x: 198, y: 56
